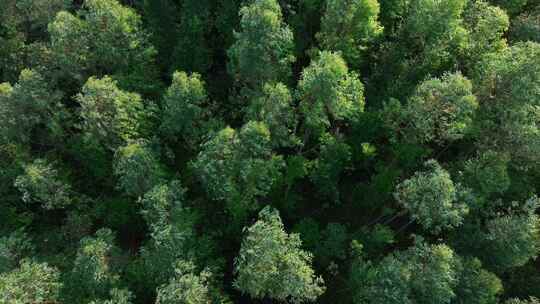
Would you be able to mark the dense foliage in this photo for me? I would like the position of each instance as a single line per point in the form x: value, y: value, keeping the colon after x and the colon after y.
x: 269, y: 151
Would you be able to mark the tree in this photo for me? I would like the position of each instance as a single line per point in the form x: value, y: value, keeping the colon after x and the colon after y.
x: 13, y: 248
x: 275, y: 109
x: 41, y: 183
x: 384, y: 283
x: 526, y: 26
x: 432, y: 198
x: 433, y: 271
x: 350, y: 27
x: 287, y: 268
x: 110, y: 116
x: 263, y: 49
x: 117, y: 296
x: 486, y: 25
x: 512, y: 240
x: 172, y: 228
x: 137, y: 168
x: 31, y: 282
x: 476, y: 285
x: 441, y: 110
x: 94, y: 271
x: 513, y: 7
x: 487, y: 173
x: 334, y: 157
x: 507, y: 86
x: 105, y: 39
x: 28, y: 108
x: 430, y: 41
x: 423, y: 274
x: 184, y: 112
x: 329, y: 94
x: 186, y: 287
x: 239, y: 167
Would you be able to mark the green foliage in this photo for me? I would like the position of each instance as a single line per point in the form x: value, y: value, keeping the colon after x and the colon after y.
x: 526, y: 27
x: 433, y: 271
x: 263, y: 49
x: 375, y: 240
x: 239, y: 167
x: 486, y: 25
x: 110, y: 116
x: 518, y: 301
x: 432, y: 198
x: 41, y: 183
x: 137, y: 168
x: 183, y: 113
x: 324, y: 109
x: 385, y: 283
x: 513, y: 7
x: 31, y: 282
x: 330, y: 95
x: 13, y: 248
x: 487, y: 173
x: 105, y: 39
x: 422, y: 274
x: 275, y: 109
x: 186, y: 287
x: 93, y: 274
x: 192, y: 51
x: 287, y: 268
x: 508, y: 85
x: 27, y: 108
x: 172, y: 230
x: 350, y: 27
x: 117, y: 296
x: 512, y: 240
x: 476, y: 285
x: 334, y: 157
x: 441, y: 110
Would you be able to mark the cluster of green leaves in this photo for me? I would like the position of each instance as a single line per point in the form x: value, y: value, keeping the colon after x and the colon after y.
x: 201, y: 151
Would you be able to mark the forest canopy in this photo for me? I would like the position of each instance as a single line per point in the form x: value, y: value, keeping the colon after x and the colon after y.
x: 269, y: 151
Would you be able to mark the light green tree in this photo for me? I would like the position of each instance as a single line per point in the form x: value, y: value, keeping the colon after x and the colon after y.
x: 476, y: 285
x: 330, y: 95
x: 238, y: 167
x: 287, y: 268
x: 263, y: 48
x: 275, y: 109
x: 105, y: 38
x: 508, y: 89
x: 423, y: 274
x: 42, y: 183
x: 432, y: 198
x: 441, y: 110
x: 94, y: 272
x: 110, y: 116
x: 31, y: 282
x: 137, y: 168
x: 184, y: 114
x: 350, y: 27
x: 28, y: 107
x: 186, y: 287
x: 487, y: 25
